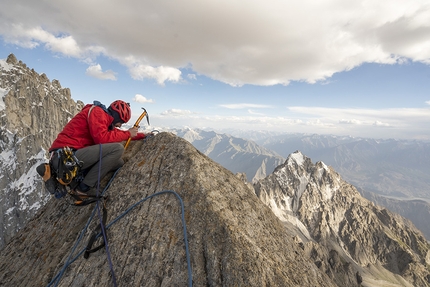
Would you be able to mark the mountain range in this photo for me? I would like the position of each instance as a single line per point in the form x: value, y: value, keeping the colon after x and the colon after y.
x: 300, y: 226
x: 391, y: 173
x: 296, y: 224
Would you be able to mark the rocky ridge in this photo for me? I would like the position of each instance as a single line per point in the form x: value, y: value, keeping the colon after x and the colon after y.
x: 32, y: 112
x: 234, y: 239
x: 345, y: 233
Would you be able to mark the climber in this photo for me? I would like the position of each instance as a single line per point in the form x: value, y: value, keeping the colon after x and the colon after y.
x: 94, y: 127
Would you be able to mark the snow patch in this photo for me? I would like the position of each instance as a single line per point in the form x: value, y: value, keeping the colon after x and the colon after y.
x: 8, y: 159
x: 9, y: 211
x: 327, y: 192
x: 3, y: 93
x: 25, y: 185
x: 283, y: 212
x: 297, y: 157
x: 5, y: 66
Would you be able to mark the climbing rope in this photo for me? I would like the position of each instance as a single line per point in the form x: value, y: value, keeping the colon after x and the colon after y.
x: 69, y: 261
x: 56, y: 279
x: 102, y: 227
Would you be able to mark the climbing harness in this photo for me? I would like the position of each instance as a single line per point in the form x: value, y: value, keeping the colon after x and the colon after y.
x: 136, y: 125
x: 67, y: 165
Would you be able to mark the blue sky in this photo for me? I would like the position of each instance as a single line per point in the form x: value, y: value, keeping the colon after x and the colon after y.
x: 326, y: 67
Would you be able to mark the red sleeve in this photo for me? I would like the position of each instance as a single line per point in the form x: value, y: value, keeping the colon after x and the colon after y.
x: 99, y: 122
x: 139, y: 136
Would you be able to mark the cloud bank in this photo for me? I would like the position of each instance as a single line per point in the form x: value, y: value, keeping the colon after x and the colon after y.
x: 260, y: 42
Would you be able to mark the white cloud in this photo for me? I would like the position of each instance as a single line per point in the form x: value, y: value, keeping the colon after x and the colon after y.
x: 141, y: 99
x: 254, y: 113
x: 160, y: 74
x: 176, y: 112
x: 274, y: 43
x: 363, y: 114
x: 428, y: 102
x: 384, y: 123
x: 350, y: 122
x: 192, y: 76
x: 244, y: 106
x: 381, y: 124
x: 96, y: 72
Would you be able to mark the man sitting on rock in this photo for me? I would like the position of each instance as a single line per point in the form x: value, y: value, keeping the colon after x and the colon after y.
x: 92, y: 129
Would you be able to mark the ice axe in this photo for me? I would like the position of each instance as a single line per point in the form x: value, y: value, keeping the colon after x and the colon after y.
x: 136, y: 125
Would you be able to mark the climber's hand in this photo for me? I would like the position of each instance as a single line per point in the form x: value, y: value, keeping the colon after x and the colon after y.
x: 133, y: 131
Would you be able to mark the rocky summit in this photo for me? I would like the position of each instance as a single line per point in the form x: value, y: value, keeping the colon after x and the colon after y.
x: 352, y: 240
x: 234, y: 239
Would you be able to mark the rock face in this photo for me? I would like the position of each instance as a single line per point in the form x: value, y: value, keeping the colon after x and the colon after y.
x: 234, y: 239
x: 350, y: 239
x: 418, y: 211
x: 32, y: 112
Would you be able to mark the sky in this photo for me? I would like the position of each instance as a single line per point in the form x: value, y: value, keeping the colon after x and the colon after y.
x: 357, y: 68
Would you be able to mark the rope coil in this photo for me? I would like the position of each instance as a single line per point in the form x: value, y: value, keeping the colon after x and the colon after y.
x: 69, y: 261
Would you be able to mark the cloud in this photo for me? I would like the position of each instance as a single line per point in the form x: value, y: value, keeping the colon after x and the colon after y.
x: 428, y: 102
x: 381, y: 124
x: 192, y: 76
x: 372, y: 123
x: 176, y: 112
x: 244, y: 106
x: 96, y: 72
x: 275, y: 43
x: 363, y: 113
x: 161, y: 74
x: 141, y: 99
x: 350, y: 122
x: 405, y: 119
x: 254, y: 113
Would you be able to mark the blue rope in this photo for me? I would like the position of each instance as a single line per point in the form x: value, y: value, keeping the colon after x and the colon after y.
x: 102, y: 227
x: 68, y: 262
x: 57, y: 278
x: 190, y: 276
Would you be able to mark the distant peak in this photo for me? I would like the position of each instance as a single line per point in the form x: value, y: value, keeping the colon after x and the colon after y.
x: 11, y: 59
x: 297, y: 157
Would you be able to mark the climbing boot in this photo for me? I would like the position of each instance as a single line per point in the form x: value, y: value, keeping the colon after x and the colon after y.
x: 51, y: 183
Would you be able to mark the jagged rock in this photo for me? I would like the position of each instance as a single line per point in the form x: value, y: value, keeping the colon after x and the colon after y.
x: 348, y: 237
x: 11, y: 59
x: 234, y: 239
x: 34, y: 111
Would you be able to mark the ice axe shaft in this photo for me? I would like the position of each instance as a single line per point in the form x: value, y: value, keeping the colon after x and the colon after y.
x: 136, y: 125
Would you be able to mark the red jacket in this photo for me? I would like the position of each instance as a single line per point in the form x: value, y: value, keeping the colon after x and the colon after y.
x: 83, y: 130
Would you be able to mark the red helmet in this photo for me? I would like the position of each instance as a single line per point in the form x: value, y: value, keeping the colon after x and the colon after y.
x: 123, y: 109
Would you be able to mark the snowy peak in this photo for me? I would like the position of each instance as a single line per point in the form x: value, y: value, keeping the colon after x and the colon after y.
x: 331, y: 218
x: 296, y: 158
